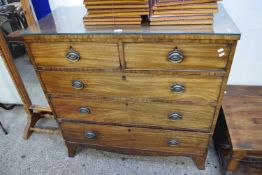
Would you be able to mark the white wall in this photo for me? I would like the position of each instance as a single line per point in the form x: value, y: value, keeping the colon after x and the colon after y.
x: 57, y: 3
x: 8, y: 92
x: 247, y: 66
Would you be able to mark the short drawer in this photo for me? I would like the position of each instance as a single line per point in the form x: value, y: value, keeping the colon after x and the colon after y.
x: 158, y: 115
x: 144, y: 86
x: 77, y: 54
x: 136, y: 138
x: 183, y: 56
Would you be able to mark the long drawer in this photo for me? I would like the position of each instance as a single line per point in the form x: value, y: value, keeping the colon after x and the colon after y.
x: 147, y: 86
x: 76, y: 54
x: 136, y: 138
x: 184, y: 56
x: 159, y: 115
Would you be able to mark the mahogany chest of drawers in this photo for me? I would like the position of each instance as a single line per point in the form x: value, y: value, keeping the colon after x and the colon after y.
x: 133, y: 89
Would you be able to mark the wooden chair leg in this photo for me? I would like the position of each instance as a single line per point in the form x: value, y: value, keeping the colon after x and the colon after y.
x: 71, y: 148
x: 31, y: 121
x: 200, y: 162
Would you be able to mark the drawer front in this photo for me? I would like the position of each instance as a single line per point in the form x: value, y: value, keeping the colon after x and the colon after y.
x: 186, y: 57
x: 136, y: 138
x: 159, y: 115
x: 144, y: 86
x: 82, y: 54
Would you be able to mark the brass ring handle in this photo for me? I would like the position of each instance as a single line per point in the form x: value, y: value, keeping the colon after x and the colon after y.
x: 77, y: 84
x: 178, y: 88
x: 173, y: 142
x: 175, y: 56
x: 175, y: 116
x: 72, y: 55
x: 90, y: 134
x: 84, y: 110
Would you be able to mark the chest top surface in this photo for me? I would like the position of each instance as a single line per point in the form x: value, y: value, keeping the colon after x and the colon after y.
x: 69, y: 21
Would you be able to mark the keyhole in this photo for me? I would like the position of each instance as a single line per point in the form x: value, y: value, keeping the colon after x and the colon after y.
x: 129, y: 130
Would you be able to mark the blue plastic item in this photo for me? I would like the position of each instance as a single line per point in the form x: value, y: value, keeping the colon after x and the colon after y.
x: 41, y: 8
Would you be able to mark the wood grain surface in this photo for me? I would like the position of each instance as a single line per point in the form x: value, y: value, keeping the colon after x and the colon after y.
x: 92, y: 55
x: 187, y: 6
x: 243, y: 114
x: 238, y: 132
x: 193, y: 11
x: 136, y: 114
x: 164, y: 3
x: 196, y: 56
x: 141, y: 86
x: 139, y: 138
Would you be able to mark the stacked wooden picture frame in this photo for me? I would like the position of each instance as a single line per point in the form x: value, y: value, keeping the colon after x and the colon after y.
x: 183, y: 12
x: 120, y: 12
x: 158, y: 12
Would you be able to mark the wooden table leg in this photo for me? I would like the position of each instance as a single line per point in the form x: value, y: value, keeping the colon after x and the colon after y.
x: 200, y: 162
x: 71, y: 148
